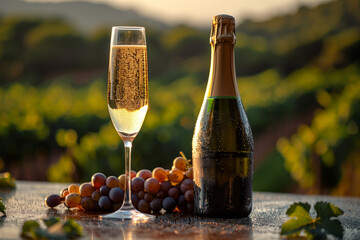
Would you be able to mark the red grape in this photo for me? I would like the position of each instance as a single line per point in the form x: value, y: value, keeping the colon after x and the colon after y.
x: 134, y: 199
x: 189, y: 196
x: 96, y: 195
x: 156, y: 204
x: 161, y: 194
x: 165, y: 186
x: 169, y: 204
x: 104, y: 190
x: 132, y: 174
x: 116, y: 194
x: 105, y: 203
x: 190, y: 173
x: 143, y: 206
x: 152, y: 185
x: 174, y: 193
x: 141, y: 194
x: 186, y: 185
x: 87, y: 203
x: 112, y: 182
x: 98, y: 180
x: 144, y: 174
x: 148, y: 197
x: 137, y: 184
x: 52, y: 200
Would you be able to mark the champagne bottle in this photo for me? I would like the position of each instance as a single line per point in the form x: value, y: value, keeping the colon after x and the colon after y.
x: 222, y: 146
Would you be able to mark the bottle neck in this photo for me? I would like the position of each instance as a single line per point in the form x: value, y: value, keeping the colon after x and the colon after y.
x: 222, y: 76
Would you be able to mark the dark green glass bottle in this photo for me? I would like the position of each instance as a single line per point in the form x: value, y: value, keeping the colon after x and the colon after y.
x: 222, y: 146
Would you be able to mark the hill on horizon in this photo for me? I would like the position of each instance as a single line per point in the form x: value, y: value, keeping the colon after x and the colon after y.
x: 86, y: 16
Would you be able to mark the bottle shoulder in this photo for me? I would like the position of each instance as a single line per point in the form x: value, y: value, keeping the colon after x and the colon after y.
x: 223, y: 125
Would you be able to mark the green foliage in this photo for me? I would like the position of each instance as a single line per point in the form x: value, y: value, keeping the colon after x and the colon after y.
x: 271, y: 174
x: 55, y: 229
x: 335, y: 123
x: 7, y: 181
x: 318, y: 228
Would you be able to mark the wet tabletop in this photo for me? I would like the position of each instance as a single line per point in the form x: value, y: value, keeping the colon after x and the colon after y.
x: 27, y: 203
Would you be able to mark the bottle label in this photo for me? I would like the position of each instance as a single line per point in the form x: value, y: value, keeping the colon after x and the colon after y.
x: 228, y: 163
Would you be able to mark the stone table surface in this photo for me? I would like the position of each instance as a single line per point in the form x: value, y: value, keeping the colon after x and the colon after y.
x: 27, y: 203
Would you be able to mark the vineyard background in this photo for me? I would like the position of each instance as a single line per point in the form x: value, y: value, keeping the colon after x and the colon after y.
x: 298, y: 76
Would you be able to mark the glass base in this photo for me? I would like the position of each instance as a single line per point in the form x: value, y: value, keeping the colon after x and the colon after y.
x: 133, y: 215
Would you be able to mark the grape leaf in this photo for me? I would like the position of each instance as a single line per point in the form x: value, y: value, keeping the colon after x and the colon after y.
x: 327, y: 210
x: 324, y: 211
x: 56, y: 229
x: 318, y: 228
x: 29, y: 228
x: 51, y: 221
x: 72, y: 229
x: 299, y: 218
x: 2, y: 207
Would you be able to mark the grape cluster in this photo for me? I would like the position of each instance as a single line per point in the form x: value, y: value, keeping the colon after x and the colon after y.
x: 171, y: 190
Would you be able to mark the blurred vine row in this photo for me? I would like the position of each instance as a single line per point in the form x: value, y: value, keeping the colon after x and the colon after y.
x: 298, y: 77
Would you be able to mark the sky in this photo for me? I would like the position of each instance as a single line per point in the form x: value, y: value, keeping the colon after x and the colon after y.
x: 200, y: 12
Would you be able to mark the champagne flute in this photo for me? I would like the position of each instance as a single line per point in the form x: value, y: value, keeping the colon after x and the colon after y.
x: 128, y: 99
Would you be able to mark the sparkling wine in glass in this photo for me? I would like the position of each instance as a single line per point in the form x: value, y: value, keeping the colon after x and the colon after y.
x: 128, y: 99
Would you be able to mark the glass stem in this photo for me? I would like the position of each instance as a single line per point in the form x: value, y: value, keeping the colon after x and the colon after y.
x: 127, y: 205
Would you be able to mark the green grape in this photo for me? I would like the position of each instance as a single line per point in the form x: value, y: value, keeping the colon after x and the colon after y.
x: 86, y: 189
x: 176, y: 175
x: 180, y: 163
x: 73, y: 188
x: 72, y: 200
x: 160, y: 174
x: 64, y: 192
